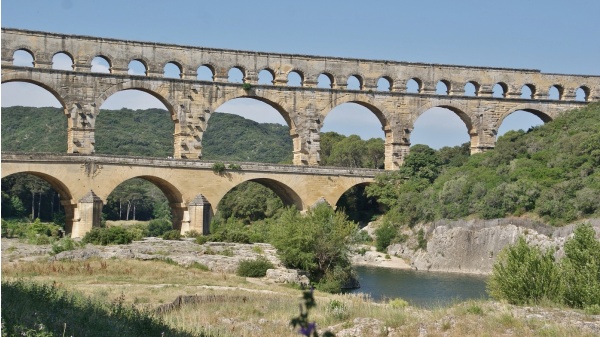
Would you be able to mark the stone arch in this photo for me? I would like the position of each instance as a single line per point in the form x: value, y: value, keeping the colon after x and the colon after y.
x: 330, y: 76
x: 380, y: 114
x: 27, y: 50
x: 17, y: 77
x: 448, y: 88
x: 459, y: 111
x: 419, y: 83
x: 208, y: 66
x: 336, y: 198
x: 62, y: 52
x: 172, y: 193
x: 476, y: 87
x: 359, y: 78
x: 270, y: 72
x: 135, y: 85
x: 531, y: 88
x: 143, y: 60
x: 503, y: 86
x: 105, y: 58
x: 559, y: 89
x: 176, y: 64
x: 242, y: 69
x: 65, y: 193
x: 586, y: 92
x: 283, y: 191
x: 381, y: 81
x: 300, y: 73
x: 531, y: 108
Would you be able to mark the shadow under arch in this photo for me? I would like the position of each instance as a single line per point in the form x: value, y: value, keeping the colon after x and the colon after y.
x: 357, y: 206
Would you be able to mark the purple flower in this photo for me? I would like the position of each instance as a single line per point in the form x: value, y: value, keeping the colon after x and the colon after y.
x: 306, y: 331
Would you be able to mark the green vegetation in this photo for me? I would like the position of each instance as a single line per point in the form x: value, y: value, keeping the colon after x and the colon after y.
x: 549, y: 172
x: 254, y: 268
x: 32, y: 309
x: 524, y: 274
x: 36, y: 232
x: 108, y: 236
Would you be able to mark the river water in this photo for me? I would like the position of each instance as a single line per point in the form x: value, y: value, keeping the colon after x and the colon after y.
x: 419, y: 288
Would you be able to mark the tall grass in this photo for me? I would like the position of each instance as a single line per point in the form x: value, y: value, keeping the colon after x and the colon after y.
x: 45, y: 309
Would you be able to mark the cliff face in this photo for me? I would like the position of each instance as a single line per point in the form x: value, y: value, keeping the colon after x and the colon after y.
x: 471, y: 249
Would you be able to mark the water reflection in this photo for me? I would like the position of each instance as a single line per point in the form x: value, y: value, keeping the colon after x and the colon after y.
x: 419, y: 288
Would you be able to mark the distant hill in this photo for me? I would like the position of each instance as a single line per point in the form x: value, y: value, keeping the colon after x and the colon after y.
x: 146, y: 133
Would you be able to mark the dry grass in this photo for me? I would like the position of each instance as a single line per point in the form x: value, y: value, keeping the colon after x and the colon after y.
x: 257, y: 309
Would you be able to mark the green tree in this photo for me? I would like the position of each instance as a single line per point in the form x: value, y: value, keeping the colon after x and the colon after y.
x: 524, y: 274
x: 581, y: 268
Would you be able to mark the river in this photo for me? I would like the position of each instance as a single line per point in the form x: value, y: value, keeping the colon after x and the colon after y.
x: 419, y: 288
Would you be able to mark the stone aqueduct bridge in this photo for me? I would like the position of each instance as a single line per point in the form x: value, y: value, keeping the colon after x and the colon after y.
x: 191, y: 102
x: 85, y: 182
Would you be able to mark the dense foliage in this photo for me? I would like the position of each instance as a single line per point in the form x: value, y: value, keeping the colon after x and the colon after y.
x: 525, y: 274
x: 254, y: 268
x: 549, y: 172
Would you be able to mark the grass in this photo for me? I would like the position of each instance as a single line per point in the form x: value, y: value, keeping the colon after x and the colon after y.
x: 246, y: 308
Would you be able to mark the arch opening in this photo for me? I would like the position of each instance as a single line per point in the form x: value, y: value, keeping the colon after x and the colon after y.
x: 295, y: 79
x: 33, y: 119
x: 472, y: 89
x: 521, y: 120
x: 354, y: 83
x: 325, y: 81
x: 384, y: 84
x: 62, y: 61
x: 352, y: 136
x: 172, y: 70
x: 138, y: 68
x: 441, y: 126
x: 528, y: 91
x: 235, y: 75
x: 442, y: 88
x: 35, y: 195
x: 556, y: 92
x: 414, y: 86
x: 254, y: 200
x: 135, y: 123
x: 100, y: 64
x: 499, y: 90
x: 359, y: 207
x: 266, y: 76
x: 205, y: 73
x: 249, y: 129
x: 582, y: 94
x: 23, y: 58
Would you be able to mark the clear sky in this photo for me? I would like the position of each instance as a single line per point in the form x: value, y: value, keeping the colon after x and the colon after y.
x: 555, y: 36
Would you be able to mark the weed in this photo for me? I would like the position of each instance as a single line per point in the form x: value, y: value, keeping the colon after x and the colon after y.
x: 398, y: 303
x: 198, y: 265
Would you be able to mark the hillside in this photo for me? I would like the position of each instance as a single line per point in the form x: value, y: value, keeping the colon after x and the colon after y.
x: 146, y: 133
x: 551, y: 172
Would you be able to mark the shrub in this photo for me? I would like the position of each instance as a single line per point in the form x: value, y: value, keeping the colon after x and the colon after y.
x: 173, y: 234
x: 41, y: 233
x: 158, y: 227
x: 398, y: 303
x: 581, y: 269
x: 63, y: 245
x: 108, y: 236
x: 254, y: 268
x: 202, y: 239
x: 385, y: 234
x: 218, y: 168
x: 338, y: 309
x: 421, y: 241
x: 523, y: 274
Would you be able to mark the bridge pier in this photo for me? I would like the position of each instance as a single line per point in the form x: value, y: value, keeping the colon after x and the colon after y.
x: 199, y: 216
x: 86, y: 215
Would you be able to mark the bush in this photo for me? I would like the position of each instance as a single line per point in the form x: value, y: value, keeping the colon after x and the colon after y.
x: 63, y: 245
x: 40, y: 233
x: 580, y: 269
x: 398, y: 303
x: 338, y: 309
x: 173, y: 234
x: 421, y: 241
x: 108, y: 236
x: 254, y: 268
x: 158, y: 227
x: 523, y: 274
x: 385, y: 234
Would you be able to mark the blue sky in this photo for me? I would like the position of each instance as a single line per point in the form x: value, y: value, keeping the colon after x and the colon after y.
x: 553, y: 36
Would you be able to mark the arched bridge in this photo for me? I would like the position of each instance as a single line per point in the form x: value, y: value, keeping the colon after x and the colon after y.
x: 191, y: 101
x: 192, y: 187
